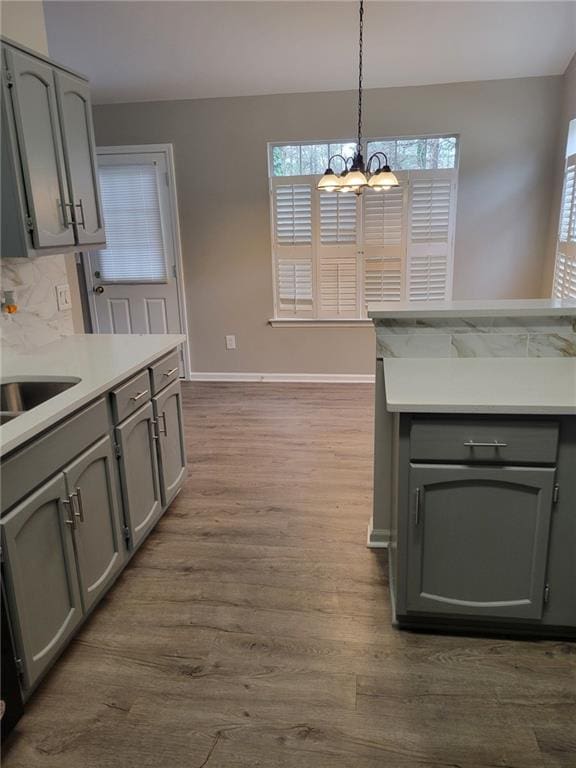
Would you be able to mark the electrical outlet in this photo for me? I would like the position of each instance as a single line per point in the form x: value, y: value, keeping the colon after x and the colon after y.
x: 63, y: 296
x: 231, y: 342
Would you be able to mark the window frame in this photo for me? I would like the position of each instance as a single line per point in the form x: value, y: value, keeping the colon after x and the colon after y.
x: 316, y: 318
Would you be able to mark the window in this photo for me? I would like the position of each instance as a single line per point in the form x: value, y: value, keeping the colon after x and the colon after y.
x: 565, y: 271
x: 334, y: 254
x: 135, y: 244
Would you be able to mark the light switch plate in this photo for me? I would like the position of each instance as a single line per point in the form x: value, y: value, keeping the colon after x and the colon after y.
x: 63, y: 296
x: 231, y: 342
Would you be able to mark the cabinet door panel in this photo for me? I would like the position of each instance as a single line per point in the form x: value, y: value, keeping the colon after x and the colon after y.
x: 171, y: 447
x: 41, y: 576
x: 34, y: 103
x: 79, y: 153
x: 139, y: 472
x: 478, y: 540
x: 98, y: 531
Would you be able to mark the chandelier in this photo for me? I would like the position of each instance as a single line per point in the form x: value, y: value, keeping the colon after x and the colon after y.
x: 355, y: 175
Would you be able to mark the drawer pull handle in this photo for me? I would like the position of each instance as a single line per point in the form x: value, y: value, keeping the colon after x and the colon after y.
x: 493, y: 444
x: 171, y: 371
x: 71, y: 521
x: 78, y: 495
x: 165, y: 430
x: 138, y: 395
x: 417, y: 506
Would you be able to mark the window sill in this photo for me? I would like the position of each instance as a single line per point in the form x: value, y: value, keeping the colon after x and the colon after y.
x: 299, y: 322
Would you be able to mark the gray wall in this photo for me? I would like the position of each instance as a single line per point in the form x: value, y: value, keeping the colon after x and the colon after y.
x: 568, y: 113
x: 508, y: 134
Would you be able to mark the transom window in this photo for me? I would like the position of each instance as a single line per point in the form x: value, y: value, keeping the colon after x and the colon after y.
x: 335, y: 253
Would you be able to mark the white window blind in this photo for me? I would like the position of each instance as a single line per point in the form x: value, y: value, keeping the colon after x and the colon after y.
x: 432, y: 209
x: 292, y: 227
x: 293, y: 219
x: 135, y: 250
x: 565, y: 271
x: 336, y: 253
x: 383, y: 230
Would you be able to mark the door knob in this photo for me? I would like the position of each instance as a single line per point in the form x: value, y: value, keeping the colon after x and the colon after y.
x: 98, y: 289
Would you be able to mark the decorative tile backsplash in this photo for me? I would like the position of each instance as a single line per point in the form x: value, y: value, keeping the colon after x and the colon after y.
x: 529, y: 336
x: 38, y: 320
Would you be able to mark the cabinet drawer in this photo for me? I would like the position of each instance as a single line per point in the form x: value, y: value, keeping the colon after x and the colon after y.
x: 165, y: 371
x: 466, y: 441
x: 130, y: 396
x: 27, y: 468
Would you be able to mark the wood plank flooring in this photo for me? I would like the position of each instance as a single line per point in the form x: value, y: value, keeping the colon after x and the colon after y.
x: 253, y: 627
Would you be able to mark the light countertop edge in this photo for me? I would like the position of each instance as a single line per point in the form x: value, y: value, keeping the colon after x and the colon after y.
x: 99, y: 361
x: 493, y: 308
x: 537, y: 386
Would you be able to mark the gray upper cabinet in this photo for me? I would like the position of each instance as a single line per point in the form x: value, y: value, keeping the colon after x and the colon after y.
x: 477, y: 540
x: 97, y: 528
x: 41, y: 576
x: 171, y: 447
x: 35, y: 110
x: 139, y: 472
x: 49, y: 177
x: 78, y: 133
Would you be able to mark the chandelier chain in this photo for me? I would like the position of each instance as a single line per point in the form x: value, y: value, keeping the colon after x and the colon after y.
x: 361, y: 14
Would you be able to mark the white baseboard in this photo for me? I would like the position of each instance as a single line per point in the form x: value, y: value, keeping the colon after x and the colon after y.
x: 301, y: 378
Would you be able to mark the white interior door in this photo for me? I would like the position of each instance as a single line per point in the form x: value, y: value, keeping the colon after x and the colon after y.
x: 135, y: 283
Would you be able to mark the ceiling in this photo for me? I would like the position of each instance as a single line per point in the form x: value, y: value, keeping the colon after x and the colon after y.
x: 144, y: 51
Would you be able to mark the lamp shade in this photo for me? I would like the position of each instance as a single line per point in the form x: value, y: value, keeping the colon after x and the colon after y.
x: 356, y: 179
x: 383, y: 179
x: 329, y: 182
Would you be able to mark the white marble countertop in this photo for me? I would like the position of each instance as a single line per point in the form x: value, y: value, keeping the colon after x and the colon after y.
x: 98, y: 361
x: 484, y: 308
x: 481, y: 385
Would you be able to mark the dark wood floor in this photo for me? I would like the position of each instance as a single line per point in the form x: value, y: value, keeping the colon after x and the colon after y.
x: 253, y: 627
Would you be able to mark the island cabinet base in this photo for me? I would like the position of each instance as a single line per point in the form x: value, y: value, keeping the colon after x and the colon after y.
x: 77, y: 501
x: 484, y: 523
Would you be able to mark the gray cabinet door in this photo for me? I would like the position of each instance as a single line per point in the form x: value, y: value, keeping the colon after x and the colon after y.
x: 478, y: 540
x: 139, y: 472
x: 97, y: 531
x: 34, y: 104
x: 171, y: 447
x: 41, y: 576
x: 79, y: 153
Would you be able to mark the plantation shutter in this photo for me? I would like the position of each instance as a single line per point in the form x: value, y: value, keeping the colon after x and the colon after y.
x: 338, y: 255
x: 565, y: 271
x: 292, y: 235
x: 384, y: 244
x: 430, y: 235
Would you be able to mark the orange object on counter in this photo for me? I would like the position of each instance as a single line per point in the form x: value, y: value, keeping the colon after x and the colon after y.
x: 10, y: 308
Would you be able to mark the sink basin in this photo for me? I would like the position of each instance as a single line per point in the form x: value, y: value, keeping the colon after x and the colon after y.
x: 19, y: 396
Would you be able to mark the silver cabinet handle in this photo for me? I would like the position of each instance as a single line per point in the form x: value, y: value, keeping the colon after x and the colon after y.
x: 138, y: 395
x: 65, y: 220
x: 417, y: 506
x: 78, y: 494
x: 165, y: 430
x: 82, y: 221
x: 171, y: 371
x: 71, y: 521
x: 493, y: 444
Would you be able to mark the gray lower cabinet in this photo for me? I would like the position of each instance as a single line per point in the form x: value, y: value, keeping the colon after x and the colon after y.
x: 136, y: 440
x: 98, y: 535
x: 171, y: 447
x: 41, y: 576
x: 478, y: 540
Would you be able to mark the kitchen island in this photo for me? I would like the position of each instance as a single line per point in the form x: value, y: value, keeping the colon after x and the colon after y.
x: 475, y: 465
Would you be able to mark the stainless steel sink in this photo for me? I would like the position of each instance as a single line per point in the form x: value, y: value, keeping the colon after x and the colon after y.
x: 19, y: 396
